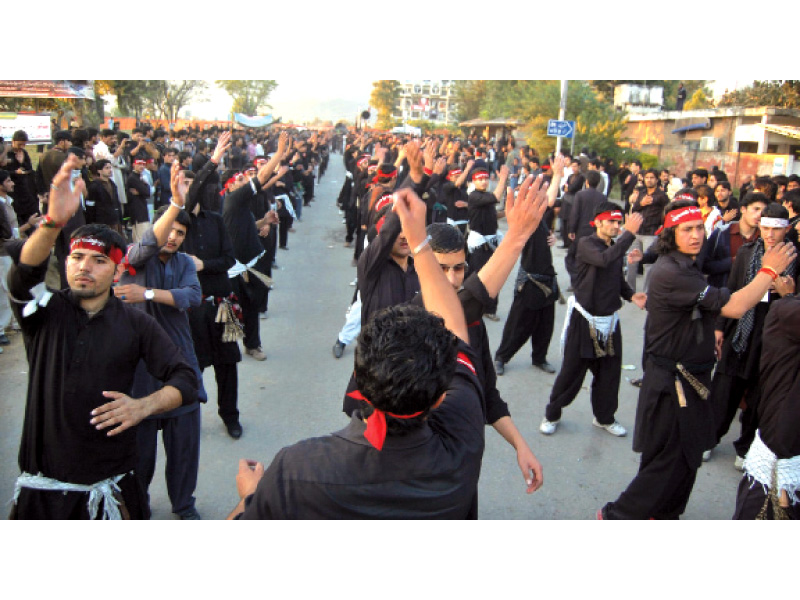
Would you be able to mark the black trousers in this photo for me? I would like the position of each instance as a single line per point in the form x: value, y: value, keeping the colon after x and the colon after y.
x: 351, y: 217
x: 181, y: 437
x: 605, y: 383
x: 750, y: 499
x: 285, y: 223
x: 662, y: 487
x: 527, y: 323
x: 727, y: 392
x: 361, y: 235
x: 227, y: 377
x: 251, y: 295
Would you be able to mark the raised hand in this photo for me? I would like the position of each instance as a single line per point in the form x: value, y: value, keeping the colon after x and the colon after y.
x: 634, y: 222
x: 178, y: 184
x: 525, y: 212
x: 223, y: 144
x: 779, y: 257
x: 65, y: 199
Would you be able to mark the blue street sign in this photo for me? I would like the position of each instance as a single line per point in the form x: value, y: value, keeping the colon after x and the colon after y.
x: 560, y: 128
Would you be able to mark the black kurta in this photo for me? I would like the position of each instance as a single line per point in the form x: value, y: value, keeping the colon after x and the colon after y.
x: 72, y: 360
x: 431, y: 473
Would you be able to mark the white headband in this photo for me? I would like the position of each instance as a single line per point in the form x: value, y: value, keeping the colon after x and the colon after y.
x: 773, y: 222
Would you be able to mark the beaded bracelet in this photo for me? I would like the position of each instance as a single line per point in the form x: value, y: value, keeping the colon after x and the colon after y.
x: 49, y: 223
x: 769, y: 271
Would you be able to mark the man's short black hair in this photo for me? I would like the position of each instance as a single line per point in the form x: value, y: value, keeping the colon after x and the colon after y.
x: 102, y: 232
x: 19, y: 136
x: 445, y: 239
x: 792, y: 197
x: 700, y: 173
x: 107, y: 132
x: 775, y: 211
x: 182, y: 217
x: 780, y: 180
x: 79, y: 137
x: 593, y: 178
x: 725, y: 184
x: 4, y: 175
x: 665, y: 243
x: 183, y: 155
x: 62, y: 136
x: 751, y: 197
x: 404, y: 362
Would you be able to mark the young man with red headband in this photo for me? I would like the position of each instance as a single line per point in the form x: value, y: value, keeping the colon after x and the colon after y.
x: 592, y: 338
x: 675, y: 421
x: 483, y: 238
x: 78, y: 448
x: 454, y: 196
x: 414, y: 449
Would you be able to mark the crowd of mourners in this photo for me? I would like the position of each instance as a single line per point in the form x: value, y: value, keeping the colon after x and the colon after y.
x: 168, y: 239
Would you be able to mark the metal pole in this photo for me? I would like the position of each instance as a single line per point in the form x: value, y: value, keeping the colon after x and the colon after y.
x: 562, y: 111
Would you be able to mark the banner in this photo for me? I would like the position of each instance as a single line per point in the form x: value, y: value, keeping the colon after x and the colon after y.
x: 46, y: 88
x: 37, y: 126
x: 252, y: 121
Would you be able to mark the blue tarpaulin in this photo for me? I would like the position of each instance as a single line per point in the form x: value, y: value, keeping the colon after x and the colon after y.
x: 248, y: 121
x: 692, y: 127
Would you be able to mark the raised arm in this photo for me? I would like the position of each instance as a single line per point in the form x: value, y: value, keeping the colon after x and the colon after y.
x: 438, y: 295
x: 523, y: 215
x: 775, y: 260
x: 63, y: 204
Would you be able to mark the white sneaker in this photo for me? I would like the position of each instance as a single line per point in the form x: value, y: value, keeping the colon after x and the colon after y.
x: 548, y: 427
x: 354, y: 283
x: 738, y: 464
x: 614, y: 429
x: 706, y: 455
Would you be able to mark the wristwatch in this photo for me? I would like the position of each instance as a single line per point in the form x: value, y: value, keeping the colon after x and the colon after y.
x: 149, y: 294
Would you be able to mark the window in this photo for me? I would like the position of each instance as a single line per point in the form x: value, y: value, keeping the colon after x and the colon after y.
x: 748, y: 147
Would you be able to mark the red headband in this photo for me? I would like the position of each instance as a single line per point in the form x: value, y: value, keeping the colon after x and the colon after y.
x: 140, y: 162
x: 480, y: 176
x: 454, y: 173
x: 385, y: 200
x: 376, y: 422
x: 384, y: 176
x: 90, y: 243
x: 681, y: 215
x: 610, y: 215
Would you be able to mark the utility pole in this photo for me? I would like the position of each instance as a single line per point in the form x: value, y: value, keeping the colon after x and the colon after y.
x: 562, y: 111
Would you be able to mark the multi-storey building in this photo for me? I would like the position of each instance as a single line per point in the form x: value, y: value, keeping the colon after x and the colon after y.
x: 431, y: 99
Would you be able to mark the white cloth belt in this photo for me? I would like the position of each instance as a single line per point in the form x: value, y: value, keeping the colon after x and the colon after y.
x: 102, y: 490
x: 348, y: 174
x: 603, y: 326
x: 760, y: 463
x: 476, y: 240
x: 40, y: 298
x: 455, y: 223
x: 287, y: 202
x: 239, y: 268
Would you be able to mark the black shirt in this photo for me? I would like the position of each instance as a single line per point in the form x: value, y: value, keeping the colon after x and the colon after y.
x: 381, y: 280
x: 208, y: 240
x: 583, y: 210
x: 431, y: 473
x: 537, y: 257
x: 240, y: 223
x: 779, y: 409
x: 599, y: 284
x: 72, y: 360
x: 652, y: 214
x: 482, y: 213
x: 137, y: 203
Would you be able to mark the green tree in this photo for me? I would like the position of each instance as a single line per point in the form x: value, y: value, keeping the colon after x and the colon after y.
x: 698, y: 101
x: 384, y: 97
x: 469, y: 95
x: 249, y: 95
x: 778, y: 93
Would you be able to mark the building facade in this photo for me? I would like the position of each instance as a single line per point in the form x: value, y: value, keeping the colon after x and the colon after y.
x: 430, y: 99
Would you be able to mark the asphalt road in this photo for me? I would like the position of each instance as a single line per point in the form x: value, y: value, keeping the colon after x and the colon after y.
x: 297, y: 393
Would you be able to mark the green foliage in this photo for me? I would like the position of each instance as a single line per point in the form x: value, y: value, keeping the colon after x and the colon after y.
x: 384, y: 97
x: 649, y: 161
x: 249, y: 95
x: 469, y: 95
x: 781, y: 94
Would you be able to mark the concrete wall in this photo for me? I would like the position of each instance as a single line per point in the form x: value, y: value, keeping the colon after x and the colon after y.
x: 735, y: 164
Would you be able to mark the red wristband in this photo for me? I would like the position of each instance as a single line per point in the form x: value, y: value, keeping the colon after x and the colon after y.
x: 769, y: 271
x: 427, y: 171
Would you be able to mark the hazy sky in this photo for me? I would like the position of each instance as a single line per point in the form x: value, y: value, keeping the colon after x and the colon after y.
x: 290, y: 96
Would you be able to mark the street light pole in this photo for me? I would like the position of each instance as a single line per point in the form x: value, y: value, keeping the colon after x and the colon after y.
x: 562, y: 110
